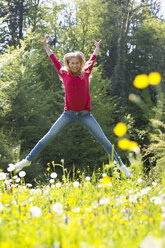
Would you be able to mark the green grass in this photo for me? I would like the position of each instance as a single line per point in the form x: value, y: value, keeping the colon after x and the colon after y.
x: 103, y: 212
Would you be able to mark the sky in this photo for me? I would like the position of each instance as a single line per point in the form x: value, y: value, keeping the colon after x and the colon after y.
x: 162, y: 2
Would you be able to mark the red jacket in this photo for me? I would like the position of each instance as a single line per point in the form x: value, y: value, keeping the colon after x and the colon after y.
x: 77, y: 97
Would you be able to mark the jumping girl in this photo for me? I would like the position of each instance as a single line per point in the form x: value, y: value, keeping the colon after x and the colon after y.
x: 75, y: 77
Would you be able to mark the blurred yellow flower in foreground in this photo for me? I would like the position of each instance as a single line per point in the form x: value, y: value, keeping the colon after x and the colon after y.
x: 120, y: 129
x: 124, y: 144
x: 127, y: 144
x: 141, y: 81
x: 154, y: 78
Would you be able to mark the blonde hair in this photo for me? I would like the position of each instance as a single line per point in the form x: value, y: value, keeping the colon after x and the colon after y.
x: 79, y: 55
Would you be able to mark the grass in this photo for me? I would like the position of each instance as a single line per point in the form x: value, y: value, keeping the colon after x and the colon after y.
x: 98, y: 211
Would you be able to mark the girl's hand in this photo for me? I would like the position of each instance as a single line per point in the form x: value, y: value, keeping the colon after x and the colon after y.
x: 43, y: 42
x: 97, y: 44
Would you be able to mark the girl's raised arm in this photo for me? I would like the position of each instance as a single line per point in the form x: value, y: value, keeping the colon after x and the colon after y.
x: 97, y: 44
x: 43, y: 42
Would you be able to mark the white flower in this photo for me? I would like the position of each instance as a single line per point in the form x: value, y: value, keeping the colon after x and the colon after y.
x: 150, y: 241
x: 154, y: 184
x: 133, y: 198
x: 35, y: 211
x: 2, y: 176
x: 139, y: 180
x: 104, y: 201
x: 51, y: 181
x: 76, y: 210
x: 57, y: 208
x: 104, y: 175
x: 1, y: 206
x: 22, y: 173
x: 58, y: 185
x: 11, y: 167
x: 29, y: 185
x: 53, y: 175
x: 145, y: 190
x: 15, y: 177
x: 76, y: 184
x: 18, y: 180
x: 87, y: 178
x: 156, y: 200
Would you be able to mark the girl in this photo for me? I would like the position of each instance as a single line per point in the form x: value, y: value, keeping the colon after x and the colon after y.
x: 75, y: 77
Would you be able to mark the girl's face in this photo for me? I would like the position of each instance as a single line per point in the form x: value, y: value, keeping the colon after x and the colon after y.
x: 75, y: 66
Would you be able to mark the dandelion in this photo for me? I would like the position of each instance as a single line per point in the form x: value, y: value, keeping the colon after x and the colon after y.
x: 1, y: 206
x: 57, y: 208
x: 87, y: 178
x: 18, y: 180
x: 124, y: 144
x: 149, y: 242
x: 51, y: 181
x: 154, y: 184
x: 11, y: 167
x: 104, y: 175
x: 154, y: 78
x: 2, y: 176
x: 22, y: 173
x: 35, y: 211
x: 139, y: 180
x: 156, y: 200
x: 120, y: 129
x: 76, y: 184
x: 145, y: 190
x: 53, y: 175
x: 58, y: 185
x: 104, y: 201
x: 141, y: 81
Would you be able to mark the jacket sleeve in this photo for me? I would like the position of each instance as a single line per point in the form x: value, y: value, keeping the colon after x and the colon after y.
x: 90, y: 64
x: 56, y: 63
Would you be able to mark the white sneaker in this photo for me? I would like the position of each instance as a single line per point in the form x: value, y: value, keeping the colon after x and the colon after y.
x: 124, y: 169
x: 20, y: 165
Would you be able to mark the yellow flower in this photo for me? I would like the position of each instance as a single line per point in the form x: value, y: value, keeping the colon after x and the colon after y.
x: 120, y: 129
x: 144, y: 217
x: 141, y: 81
x: 4, y: 244
x: 48, y: 169
x: 124, y: 144
x: 133, y: 145
x: 154, y: 78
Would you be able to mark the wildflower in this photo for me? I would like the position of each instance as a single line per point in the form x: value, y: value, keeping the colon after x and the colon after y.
x: 53, y: 175
x: 87, y: 178
x: 154, y: 78
x: 149, y: 241
x: 58, y: 185
x: 139, y: 180
x: 48, y: 169
x: 76, y: 210
x: 57, y: 208
x: 18, y: 180
x: 124, y: 144
x: 51, y: 181
x: 22, y: 173
x: 1, y: 206
x: 29, y: 185
x: 120, y: 129
x: 154, y: 184
x: 76, y: 184
x: 141, y: 81
x: 11, y: 167
x: 35, y: 211
x: 104, y: 201
x: 156, y: 200
x: 2, y: 176
x: 145, y: 190
x: 104, y: 175
x: 106, y: 181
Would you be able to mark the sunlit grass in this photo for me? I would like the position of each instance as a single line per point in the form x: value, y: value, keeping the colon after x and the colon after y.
x: 90, y: 211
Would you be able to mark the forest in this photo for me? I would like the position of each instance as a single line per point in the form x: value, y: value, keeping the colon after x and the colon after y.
x: 32, y: 95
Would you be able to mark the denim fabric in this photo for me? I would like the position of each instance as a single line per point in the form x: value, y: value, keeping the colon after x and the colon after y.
x: 87, y: 120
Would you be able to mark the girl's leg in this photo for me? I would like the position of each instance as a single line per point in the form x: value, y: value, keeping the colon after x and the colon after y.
x: 64, y: 120
x: 94, y: 128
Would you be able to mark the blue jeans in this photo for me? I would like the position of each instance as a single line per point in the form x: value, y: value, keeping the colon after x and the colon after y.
x: 87, y: 120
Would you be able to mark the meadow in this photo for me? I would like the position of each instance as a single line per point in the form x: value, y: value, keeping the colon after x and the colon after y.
x: 100, y: 210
